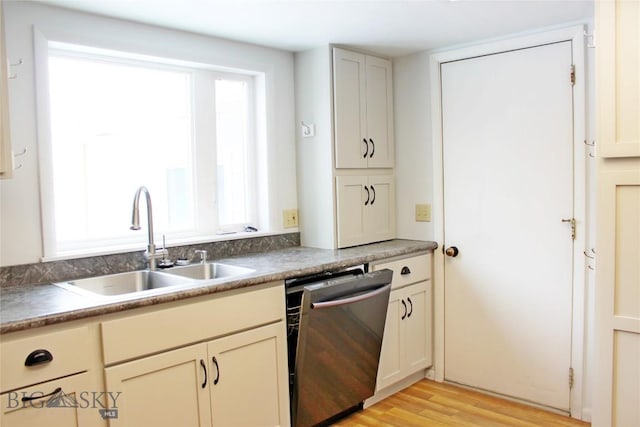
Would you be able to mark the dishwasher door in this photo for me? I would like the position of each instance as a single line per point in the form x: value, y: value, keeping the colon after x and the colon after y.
x: 340, y: 337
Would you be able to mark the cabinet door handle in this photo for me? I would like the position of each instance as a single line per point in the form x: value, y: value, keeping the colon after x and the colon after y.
x: 404, y: 304
x: 30, y: 398
x: 366, y: 148
x: 373, y: 199
x: 204, y: 368
x: 373, y: 147
x: 38, y: 357
x: 368, y: 195
x: 405, y: 270
x: 217, y: 378
x: 410, y: 307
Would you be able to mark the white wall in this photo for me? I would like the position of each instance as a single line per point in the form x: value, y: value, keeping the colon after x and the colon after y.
x: 314, y: 154
x: 20, y: 218
x: 413, y: 145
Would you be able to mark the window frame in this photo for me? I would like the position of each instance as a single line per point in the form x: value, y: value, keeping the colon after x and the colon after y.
x: 203, y: 154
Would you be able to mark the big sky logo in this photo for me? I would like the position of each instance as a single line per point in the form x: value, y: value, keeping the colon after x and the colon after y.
x: 105, y: 403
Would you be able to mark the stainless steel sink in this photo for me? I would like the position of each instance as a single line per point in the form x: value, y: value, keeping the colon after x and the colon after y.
x: 125, y: 283
x: 146, y: 282
x: 209, y: 271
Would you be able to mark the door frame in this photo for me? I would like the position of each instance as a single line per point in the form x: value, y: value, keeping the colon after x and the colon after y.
x: 575, y: 34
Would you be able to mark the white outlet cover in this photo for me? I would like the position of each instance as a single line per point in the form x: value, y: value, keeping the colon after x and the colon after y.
x: 308, y: 130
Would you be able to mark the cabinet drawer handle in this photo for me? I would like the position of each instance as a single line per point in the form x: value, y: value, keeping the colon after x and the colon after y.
x: 366, y: 148
x: 368, y: 195
x: 38, y: 357
x: 204, y: 368
x: 404, y: 304
x: 30, y: 398
x: 217, y: 378
x: 405, y: 270
x: 373, y: 199
x: 410, y: 307
x: 373, y: 148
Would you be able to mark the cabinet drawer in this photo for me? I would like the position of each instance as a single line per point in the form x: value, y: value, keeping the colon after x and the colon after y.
x: 140, y: 335
x: 418, y: 268
x: 69, y: 353
x: 79, y: 388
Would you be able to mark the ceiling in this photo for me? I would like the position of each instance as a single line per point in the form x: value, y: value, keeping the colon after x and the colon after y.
x: 389, y: 27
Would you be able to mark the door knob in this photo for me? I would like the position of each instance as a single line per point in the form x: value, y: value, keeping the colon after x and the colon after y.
x: 452, y: 251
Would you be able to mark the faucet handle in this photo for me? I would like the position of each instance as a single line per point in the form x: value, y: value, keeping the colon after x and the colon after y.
x: 203, y: 255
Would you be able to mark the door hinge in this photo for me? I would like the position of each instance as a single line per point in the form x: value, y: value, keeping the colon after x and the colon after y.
x: 573, y: 75
x: 570, y: 378
x: 572, y: 221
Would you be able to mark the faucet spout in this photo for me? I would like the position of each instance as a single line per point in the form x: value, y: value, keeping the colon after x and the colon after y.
x: 151, y: 253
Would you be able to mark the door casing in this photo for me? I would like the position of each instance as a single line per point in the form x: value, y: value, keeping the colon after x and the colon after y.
x: 575, y: 34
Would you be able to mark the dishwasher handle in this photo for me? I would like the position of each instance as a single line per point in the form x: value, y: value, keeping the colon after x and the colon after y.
x: 351, y: 300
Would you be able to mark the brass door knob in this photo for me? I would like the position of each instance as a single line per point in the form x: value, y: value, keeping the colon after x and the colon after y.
x: 451, y: 251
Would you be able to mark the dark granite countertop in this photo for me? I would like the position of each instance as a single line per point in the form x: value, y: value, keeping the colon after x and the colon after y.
x: 31, y: 306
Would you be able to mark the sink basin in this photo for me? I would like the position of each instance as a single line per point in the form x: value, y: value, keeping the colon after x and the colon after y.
x: 125, y: 283
x: 146, y: 282
x: 208, y: 271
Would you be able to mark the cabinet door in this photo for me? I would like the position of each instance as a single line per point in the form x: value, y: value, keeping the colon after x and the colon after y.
x: 406, y: 346
x: 618, y: 73
x: 351, y: 210
x: 417, y: 327
x: 617, y: 312
x: 349, y: 109
x: 392, y: 353
x: 379, y: 112
x: 169, y: 389
x: 380, y: 221
x: 249, y: 380
x: 65, y: 402
x: 365, y: 209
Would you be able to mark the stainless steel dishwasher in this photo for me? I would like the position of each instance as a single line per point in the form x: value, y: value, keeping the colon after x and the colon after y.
x: 335, y: 328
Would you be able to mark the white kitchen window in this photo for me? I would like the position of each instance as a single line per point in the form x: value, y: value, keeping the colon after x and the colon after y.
x: 187, y: 133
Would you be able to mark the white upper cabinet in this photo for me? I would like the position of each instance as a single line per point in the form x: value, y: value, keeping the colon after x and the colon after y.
x: 363, y: 110
x: 618, y: 78
x: 365, y: 209
x: 345, y: 169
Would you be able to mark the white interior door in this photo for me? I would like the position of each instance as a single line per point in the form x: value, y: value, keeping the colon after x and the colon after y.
x: 508, y: 184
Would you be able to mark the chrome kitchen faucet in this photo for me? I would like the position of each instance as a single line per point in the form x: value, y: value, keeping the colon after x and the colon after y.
x: 152, y: 253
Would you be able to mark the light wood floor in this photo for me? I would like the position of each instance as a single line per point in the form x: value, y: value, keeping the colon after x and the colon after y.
x: 428, y: 403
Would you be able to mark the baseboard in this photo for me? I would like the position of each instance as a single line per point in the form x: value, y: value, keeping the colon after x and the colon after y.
x: 586, y: 414
x: 511, y: 399
x: 430, y: 374
x: 394, y: 388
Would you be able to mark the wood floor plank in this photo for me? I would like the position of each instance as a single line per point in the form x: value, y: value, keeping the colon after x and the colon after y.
x: 428, y: 403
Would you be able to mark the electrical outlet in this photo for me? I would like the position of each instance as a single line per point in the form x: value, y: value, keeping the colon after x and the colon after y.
x: 423, y: 213
x: 290, y: 218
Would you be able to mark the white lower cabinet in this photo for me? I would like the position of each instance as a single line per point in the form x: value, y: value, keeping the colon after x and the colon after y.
x: 231, y: 381
x: 168, y: 389
x: 246, y: 385
x: 407, y: 341
x: 406, y: 346
x: 49, y: 377
x: 66, y: 402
